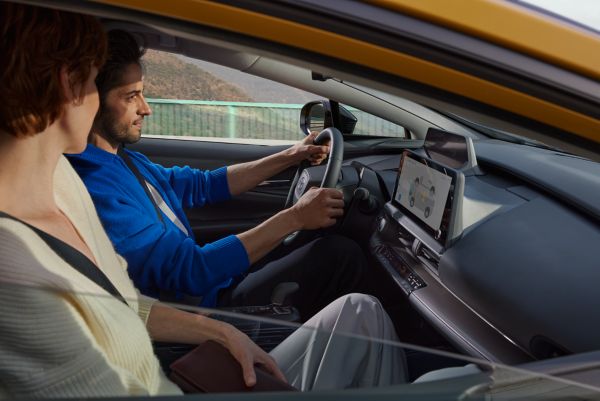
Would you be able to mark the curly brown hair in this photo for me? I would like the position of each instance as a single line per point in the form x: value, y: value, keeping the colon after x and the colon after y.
x: 35, y: 44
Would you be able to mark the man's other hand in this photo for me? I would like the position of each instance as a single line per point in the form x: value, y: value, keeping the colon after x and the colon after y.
x: 307, y: 150
x: 318, y: 208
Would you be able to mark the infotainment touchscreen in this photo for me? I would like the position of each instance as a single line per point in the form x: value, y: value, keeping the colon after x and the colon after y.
x: 425, y: 191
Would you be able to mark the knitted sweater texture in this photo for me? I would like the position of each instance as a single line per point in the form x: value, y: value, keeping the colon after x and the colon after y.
x: 61, y: 335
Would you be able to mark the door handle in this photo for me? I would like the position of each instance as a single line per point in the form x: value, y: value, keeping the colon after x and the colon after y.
x: 274, y: 183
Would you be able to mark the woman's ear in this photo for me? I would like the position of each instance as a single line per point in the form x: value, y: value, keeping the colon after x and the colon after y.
x: 70, y: 91
x: 65, y: 83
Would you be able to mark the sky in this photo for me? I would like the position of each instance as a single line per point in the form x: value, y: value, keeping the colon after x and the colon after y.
x: 586, y: 12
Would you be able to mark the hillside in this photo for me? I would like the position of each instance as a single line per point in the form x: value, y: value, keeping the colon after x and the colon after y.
x: 168, y: 77
x: 260, y: 89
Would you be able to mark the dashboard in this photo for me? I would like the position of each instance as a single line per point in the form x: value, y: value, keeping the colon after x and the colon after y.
x: 487, y: 249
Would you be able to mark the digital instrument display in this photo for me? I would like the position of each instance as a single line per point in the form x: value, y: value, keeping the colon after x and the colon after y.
x: 425, y: 190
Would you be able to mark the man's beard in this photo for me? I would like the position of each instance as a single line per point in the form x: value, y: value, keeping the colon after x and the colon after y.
x: 115, y: 131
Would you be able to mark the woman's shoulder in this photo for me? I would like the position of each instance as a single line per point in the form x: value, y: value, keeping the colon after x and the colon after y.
x: 24, y: 258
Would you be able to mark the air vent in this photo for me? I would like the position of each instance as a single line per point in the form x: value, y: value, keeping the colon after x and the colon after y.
x: 544, y: 348
x: 405, y: 237
x: 428, y: 257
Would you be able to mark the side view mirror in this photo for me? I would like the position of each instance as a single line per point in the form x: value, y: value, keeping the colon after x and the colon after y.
x: 320, y: 114
x: 315, y: 116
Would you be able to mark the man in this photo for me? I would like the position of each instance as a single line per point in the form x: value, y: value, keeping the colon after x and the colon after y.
x: 145, y: 220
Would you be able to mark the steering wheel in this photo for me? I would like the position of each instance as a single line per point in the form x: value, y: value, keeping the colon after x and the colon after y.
x: 332, y: 171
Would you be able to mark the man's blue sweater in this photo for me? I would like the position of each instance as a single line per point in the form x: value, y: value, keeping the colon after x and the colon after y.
x: 160, y: 256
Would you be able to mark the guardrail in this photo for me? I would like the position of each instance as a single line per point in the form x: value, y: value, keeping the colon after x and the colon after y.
x: 243, y: 120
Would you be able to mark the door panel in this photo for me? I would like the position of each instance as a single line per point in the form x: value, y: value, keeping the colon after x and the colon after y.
x: 200, y: 154
x: 241, y: 213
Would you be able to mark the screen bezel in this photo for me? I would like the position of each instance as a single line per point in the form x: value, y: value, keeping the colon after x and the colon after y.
x: 446, y: 227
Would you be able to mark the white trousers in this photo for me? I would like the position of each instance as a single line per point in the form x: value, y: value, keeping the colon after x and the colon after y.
x: 338, y: 348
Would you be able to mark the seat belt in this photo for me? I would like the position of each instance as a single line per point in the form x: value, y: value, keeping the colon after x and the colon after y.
x: 157, y: 200
x: 162, y: 205
x: 75, y: 259
x: 121, y: 152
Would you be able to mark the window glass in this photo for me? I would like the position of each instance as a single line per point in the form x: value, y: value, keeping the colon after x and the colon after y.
x: 368, y: 124
x: 194, y: 99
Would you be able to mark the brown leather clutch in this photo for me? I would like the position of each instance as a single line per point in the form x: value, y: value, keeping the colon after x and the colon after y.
x: 210, y: 368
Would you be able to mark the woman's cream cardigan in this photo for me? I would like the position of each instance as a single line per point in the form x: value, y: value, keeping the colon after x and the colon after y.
x: 61, y: 335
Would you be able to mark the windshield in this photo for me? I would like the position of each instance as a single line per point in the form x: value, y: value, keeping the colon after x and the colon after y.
x: 500, y: 134
x: 37, y: 350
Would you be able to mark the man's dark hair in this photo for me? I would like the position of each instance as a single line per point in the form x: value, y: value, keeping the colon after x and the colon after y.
x: 123, y: 50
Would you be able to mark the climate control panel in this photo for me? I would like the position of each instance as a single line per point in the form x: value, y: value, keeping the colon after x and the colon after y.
x: 408, y: 280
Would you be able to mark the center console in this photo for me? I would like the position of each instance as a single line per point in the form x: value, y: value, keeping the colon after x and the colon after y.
x: 423, y: 221
x: 424, y: 216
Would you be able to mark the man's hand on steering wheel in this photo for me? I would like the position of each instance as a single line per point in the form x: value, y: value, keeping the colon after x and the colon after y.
x: 318, y: 208
x: 306, y: 150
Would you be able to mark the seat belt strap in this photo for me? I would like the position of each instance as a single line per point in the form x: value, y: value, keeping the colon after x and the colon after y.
x: 121, y: 152
x: 162, y: 205
x: 75, y: 259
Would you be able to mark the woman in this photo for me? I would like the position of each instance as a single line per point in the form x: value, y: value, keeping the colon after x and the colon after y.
x: 64, y: 332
